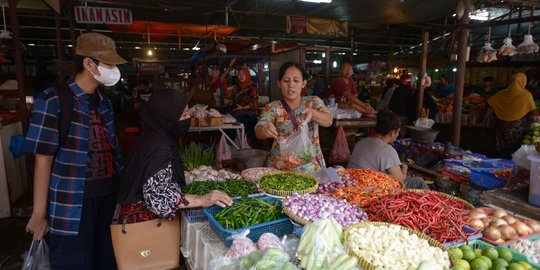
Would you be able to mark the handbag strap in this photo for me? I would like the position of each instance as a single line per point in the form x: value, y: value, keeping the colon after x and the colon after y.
x: 290, y: 113
x: 124, y: 231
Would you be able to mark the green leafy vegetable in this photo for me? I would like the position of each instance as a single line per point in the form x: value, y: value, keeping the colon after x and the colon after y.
x: 193, y: 156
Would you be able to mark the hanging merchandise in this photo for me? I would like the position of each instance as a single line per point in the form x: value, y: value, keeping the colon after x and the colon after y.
x: 507, y: 49
x: 487, y: 54
x: 527, y: 46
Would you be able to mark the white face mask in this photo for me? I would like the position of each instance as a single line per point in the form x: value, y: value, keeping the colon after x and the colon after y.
x: 108, y: 77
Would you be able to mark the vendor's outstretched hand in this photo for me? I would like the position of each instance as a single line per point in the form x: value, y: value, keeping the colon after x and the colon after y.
x: 307, y: 115
x: 270, y: 131
x: 218, y: 198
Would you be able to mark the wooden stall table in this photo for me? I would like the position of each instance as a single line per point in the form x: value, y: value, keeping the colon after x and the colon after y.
x: 514, y: 201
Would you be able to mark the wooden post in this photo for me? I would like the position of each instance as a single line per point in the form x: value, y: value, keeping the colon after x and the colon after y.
x: 460, y: 78
x: 19, y: 69
x: 59, y: 52
x: 423, y: 69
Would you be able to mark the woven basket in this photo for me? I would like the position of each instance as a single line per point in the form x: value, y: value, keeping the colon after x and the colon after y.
x: 303, y: 221
x: 366, y: 265
x: 447, y: 195
x: 285, y: 193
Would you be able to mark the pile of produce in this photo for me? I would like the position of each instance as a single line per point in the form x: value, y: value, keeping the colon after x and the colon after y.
x: 328, y: 189
x: 318, y: 245
x: 486, y: 257
x: 507, y: 49
x: 498, y: 226
x: 248, y: 212
x: 269, y: 259
x: 503, y: 174
x: 369, y: 185
x: 312, y: 207
x: 388, y: 246
x: 527, y: 46
x: 487, y: 54
x: 234, y: 187
x: 533, y: 134
x: 206, y: 173
x: 432, y: 213
x: 288, y: 182
x: 530, y: 248
x: 193, y: 156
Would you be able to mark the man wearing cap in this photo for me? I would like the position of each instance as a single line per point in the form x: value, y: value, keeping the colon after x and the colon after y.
x: 75, y: 178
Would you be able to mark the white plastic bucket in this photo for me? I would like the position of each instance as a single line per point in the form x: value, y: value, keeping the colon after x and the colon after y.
x: 534, y: 188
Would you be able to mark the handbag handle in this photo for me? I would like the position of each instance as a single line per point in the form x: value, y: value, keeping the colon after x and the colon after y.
x: 124, y: 231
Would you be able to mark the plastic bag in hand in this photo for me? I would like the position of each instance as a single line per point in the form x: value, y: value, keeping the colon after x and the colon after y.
x: 297, y: 149
x: 527, y: 46
x: 223, y: 150
x: 507, y: 49
x: 340, y: 150
x: 37, y: 257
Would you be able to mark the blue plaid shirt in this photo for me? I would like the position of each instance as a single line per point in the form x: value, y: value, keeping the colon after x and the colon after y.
x: 68, y: 177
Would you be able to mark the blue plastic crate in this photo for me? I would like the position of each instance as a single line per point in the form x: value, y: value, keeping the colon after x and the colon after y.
x: 278, y: 227
x: 196, y: 214
x: 487, y: 180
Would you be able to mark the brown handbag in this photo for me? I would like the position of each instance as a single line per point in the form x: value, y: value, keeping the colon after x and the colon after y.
x: 152, y: 244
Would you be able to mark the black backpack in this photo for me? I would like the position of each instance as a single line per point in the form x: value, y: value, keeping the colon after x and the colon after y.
x: 65, y: 96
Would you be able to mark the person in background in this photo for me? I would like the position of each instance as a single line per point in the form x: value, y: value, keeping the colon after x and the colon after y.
x: 428, y: 103
x: 76, y: 177
x: 152, y: 185
x: 343, y: 89
x: 244, y: 98
x: 276, y: 123
x: 391, y: 85
x: 141, y: 94
x: 512, y: 106
x: 401, y: 99
x: 376, y: 153
x: 487, y: 89
x: 444, y: 88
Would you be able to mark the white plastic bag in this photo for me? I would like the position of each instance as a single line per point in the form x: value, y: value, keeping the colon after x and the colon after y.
x: 520, y: 156
x: 37, y: 257
x: 424, y: 122
x: 297, y: 149
x: 487, y: 54
x: 240, y: 247
x: 507, y: 49
x: 527, y: 46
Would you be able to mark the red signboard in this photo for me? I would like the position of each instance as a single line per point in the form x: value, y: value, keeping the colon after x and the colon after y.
x: 103, y: 15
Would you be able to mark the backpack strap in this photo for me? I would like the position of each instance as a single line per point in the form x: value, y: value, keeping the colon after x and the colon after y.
x: 65, y: 96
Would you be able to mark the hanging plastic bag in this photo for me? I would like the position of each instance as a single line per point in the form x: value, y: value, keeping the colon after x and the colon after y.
x: 223, y: 151
x: 527, y: 46
x: 297, y: 149
x: 37, y: 257
x: 507, y: 49
x: 340, y: 153
x: 519, y: 179
x: 487, y: 54
x: 424, y: 122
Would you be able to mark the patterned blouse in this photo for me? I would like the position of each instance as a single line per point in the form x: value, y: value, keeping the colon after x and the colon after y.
x: 275, y: 113
x: 162, y: 198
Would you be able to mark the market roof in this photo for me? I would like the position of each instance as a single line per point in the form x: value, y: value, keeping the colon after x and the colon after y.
x: 376, y: 28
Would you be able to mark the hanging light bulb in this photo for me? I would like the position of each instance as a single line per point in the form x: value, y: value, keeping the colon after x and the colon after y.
x: 150, y: 53
x: 396, y: 70
x: 334, y: 64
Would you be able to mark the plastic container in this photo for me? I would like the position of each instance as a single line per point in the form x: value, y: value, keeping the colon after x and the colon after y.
x: 534, y: 186
x: 279, y: 227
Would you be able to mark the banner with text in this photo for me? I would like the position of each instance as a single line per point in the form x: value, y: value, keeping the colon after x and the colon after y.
x: 103, y: 15
x: 299, y: 25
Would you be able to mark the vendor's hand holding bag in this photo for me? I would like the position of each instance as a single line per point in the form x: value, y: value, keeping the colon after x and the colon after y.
x: 152, y: 244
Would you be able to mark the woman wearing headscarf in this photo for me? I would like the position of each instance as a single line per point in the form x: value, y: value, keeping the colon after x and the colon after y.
x: 154, y: 173
x: 512, y: 106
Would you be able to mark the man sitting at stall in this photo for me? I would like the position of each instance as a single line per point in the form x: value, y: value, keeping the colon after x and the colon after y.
x: 376, y: 152
x: 487, y: 88
x: 444, y: 88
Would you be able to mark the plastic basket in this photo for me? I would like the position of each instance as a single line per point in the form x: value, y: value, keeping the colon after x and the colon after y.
x: 469, y: 239
x: 516, y: 256
x: 196, y: 214
x: 536, y: 266
x: 486, y: 180
x: 279, y: 227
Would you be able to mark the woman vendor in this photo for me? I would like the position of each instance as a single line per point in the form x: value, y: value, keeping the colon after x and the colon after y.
x: 344, y: 90
x: 281, y: 118
x: 512, y: 107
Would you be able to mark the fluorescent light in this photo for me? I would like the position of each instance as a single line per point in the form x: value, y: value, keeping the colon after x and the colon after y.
x: 323, y: 55
x: 318, y: 1
x: 334, y: 64
x: 454, y: 69
x: 195, y: 48
x: 436, y: 70
x: 137, y: 48
x: 317, y: 61
x: 31, y: 44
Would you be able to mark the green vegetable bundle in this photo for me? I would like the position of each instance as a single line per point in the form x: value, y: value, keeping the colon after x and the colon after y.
x: 193, y: 156
x: 233, y: 187
x: 288, y: 181
x: 268, y: 259
x: 247, y: 212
